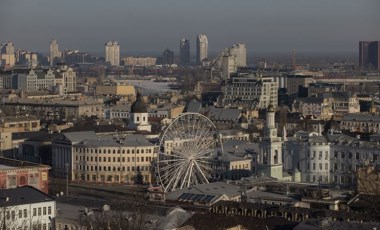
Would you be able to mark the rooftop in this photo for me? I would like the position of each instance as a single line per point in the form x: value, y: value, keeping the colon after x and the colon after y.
x: 23, y: 195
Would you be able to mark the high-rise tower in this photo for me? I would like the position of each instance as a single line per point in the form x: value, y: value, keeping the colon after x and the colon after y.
x: 112, y: 53
x: 240, y: 53
x: 55, y: 54
x: 369, y: 55
x: 7, y: 54
x: 202, y: 48
x: 184, y: 51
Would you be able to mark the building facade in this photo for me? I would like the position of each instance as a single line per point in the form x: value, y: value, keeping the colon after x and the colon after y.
x: 239, y: 51
x: 250, y: 91
x: 27, y: 208
x: 55, y: 54
x: 15, y: 173
x: 168, y: 57
x: 140, y: 61
x: 202, y: 48
x: 7, y: 53
x: 87, y: 157
x: 369, y: 55
x: 112, y: 53
x: 184, y: 51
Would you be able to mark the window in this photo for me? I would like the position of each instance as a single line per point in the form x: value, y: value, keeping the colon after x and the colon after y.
x: 25, y: 213
x: 13, y: 215
x: 19, y: 213
x: 44, y: 227
x: 326, y: 166
x: 39, y: 211
x: 44, y: 211
x: 313, y: 168
x: 34, y: 212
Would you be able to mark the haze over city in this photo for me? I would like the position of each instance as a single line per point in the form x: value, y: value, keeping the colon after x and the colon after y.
x: 196, y: 115
x: 150, y: 26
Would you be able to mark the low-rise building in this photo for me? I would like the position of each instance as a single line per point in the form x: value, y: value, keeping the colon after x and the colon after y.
x: 121, y: 90
x: 15, y: 173
x: 362, y: 123
x: 27, y: 208
x: 19, y: 124
x: 59, y: 108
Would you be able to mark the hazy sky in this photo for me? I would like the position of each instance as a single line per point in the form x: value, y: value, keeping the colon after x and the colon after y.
x: 153, y: 25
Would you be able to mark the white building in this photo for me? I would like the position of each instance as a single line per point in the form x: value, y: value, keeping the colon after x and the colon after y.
x: 202, y: 48
x: 112, y: 53
x: 250, y: 91
x: 329, y: 159
x: 26, y: 208
x: 55, y: 54
x: 139, y: 115
x: 269, y: 162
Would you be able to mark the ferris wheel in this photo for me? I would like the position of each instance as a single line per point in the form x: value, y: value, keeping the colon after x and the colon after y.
x: 186, y: 147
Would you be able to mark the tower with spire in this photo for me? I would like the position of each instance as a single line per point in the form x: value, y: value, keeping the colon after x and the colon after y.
x: 270, y: 155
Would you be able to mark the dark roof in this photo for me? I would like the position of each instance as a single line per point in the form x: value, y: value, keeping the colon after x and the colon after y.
x: 219, y: 221
x: 139, y: 105
x: 23, y: 195
x: 28, y: 135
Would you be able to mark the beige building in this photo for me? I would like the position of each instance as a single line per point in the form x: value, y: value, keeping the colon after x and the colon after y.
x: 20, y: 124
x: 92, y: 158
x: 112, y: 53
x: 139, y: 61
x: 7, y: 54
x: 122, y: 90
x: 55, y: 54
x: 5, y: 141
x: 55, y: 107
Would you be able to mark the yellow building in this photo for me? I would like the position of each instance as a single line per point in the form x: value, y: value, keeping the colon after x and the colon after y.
x: 115, y: 90
x: 20, y: 124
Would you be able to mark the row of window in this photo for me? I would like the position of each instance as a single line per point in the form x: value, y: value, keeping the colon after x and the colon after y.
x: 113, y: 169
x: 320, y: 154
x: 243, y: 166
x: 43, y: 211
x: 113, y: 159
x: 343, y: 155
x: 114, y: 151
x: 320, y: 166
x: 24, y: 213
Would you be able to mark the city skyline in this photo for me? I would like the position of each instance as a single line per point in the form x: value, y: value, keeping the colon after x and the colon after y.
x: 264, y: 26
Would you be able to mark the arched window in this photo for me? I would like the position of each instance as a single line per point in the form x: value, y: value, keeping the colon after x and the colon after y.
x: 275, y: 158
